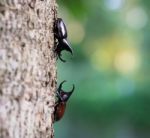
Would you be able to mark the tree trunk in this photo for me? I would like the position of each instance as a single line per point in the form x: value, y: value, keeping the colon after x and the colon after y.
x: 27, y: 68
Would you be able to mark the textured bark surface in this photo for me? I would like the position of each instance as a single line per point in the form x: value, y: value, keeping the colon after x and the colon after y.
x: 27, y: 68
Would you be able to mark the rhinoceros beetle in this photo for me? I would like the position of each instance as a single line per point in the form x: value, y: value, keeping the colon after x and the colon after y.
x: 62, y: 98
x: 60, y: 35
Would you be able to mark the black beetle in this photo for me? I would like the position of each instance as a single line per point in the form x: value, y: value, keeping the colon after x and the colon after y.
x: 60, y: 35
x: 60, y: 105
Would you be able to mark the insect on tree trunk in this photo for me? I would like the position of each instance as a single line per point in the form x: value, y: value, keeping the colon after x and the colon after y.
x: 27, y: 68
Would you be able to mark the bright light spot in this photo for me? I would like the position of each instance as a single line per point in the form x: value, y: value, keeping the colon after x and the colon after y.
x: 114, y: 4
x: 126, y: 61
x: 76, y: 32
x: 136, y: 18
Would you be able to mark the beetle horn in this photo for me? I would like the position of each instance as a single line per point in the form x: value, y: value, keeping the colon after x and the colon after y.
x: 72, y: 89
x: 66, y: 95
x: 63, y: 45
x: 61, y: 58
x: 60, y: 86
x: 66, y: 46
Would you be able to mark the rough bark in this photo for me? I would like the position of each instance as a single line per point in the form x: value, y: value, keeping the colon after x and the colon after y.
x: 27, y: 68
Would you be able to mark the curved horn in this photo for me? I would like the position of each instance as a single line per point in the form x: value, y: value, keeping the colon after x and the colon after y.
x: 66, y: 46
x: 61, y: 58
x: 60, y: 86
x: 72, y: 89
x: 66, y: 95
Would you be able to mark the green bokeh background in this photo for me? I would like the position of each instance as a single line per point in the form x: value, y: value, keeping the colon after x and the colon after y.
x: 110, y: 69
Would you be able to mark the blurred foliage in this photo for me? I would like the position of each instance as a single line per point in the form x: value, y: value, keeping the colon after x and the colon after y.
x: 110, y: 69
